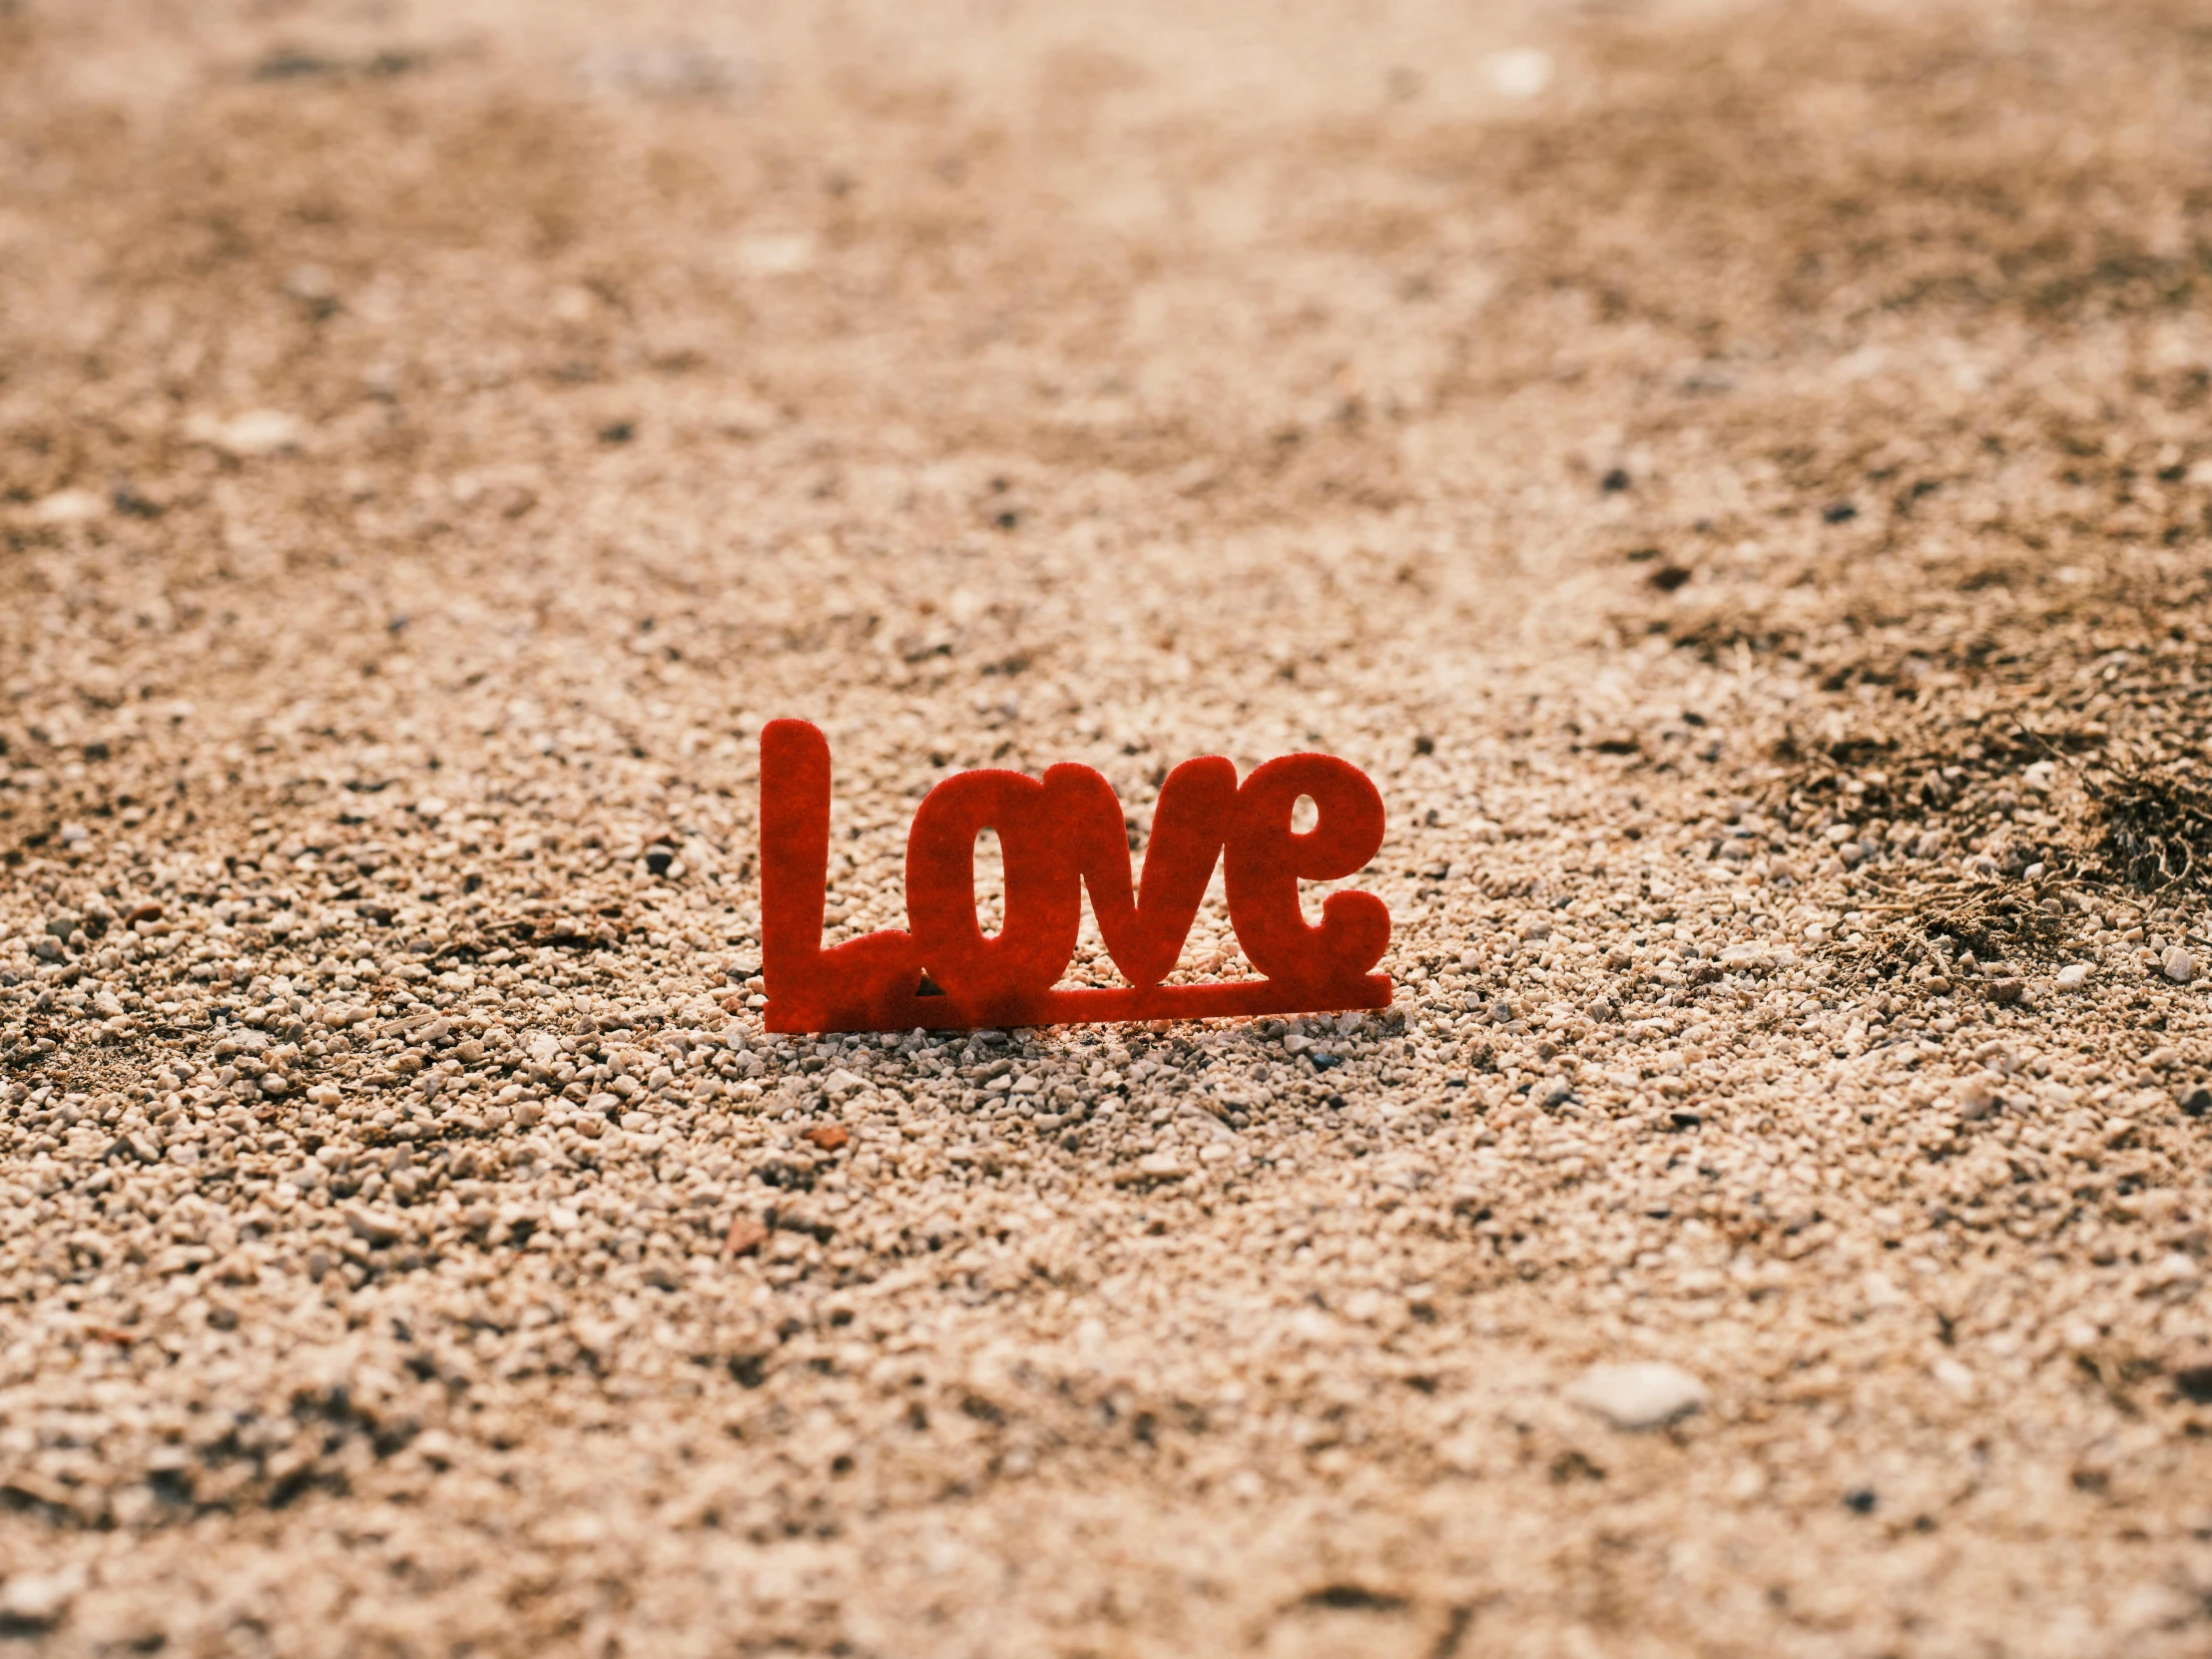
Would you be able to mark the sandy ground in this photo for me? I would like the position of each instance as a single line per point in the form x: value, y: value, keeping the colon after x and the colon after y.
x: 1737, y: 480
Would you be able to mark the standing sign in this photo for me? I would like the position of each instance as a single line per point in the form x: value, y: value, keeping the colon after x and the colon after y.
x: 1061, y: 834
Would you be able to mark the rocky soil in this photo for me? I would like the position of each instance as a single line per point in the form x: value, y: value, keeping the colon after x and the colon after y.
x: 1736, y: 477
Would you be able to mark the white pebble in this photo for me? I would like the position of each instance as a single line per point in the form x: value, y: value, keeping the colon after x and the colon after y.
x: 35, y: 1599
x: 2073, y: 975
x: 256, y: 433
x: 2178, y: 965
x: 67, y: 507
x: 777, y: 254
x: 1522, y: 73
x: 1641, y: 1394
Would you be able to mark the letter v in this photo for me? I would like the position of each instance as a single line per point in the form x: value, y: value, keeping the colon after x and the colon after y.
x: 1144, y: 930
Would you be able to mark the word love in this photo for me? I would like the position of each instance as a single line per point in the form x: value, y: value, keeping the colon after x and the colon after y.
x: 1061, y: 836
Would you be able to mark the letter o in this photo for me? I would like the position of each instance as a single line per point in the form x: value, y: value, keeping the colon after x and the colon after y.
x: 1044, y: 906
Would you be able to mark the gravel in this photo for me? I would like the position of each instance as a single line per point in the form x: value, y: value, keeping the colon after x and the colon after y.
x: 423, y: 469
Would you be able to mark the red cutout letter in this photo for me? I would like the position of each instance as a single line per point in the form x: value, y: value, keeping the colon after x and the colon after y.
x: 1043, y: 912
x: 863, y: 984
x: 1145, y: 934
x: 1267, y: 860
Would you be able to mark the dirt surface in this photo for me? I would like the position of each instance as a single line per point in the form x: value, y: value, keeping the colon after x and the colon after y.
x: 1738, y: 479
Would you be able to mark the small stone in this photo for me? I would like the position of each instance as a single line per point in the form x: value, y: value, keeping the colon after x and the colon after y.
x: 312, y: 284
x: 2178, y: 965
x: 68, y: 507
x: 841, y: 1083
x: 1859, y: 1500
x: 255, y: 433
x: 373, y: 1230
x: 746, y: 1235
x: 2073, y: 975
x: 2197, y: 1101
x: 1520, y: 73
x: 2192, y: 1374
x: 830, y: 1136
x: 2006, y: 991
x: 35, y: 1600
x: 1955, y: 1377
x: 1638, y: 1394
x: 670, y: 69
x: 1978, y: 1098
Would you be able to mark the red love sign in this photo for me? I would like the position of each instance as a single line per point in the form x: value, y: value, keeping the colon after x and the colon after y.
x: 1063, y: 835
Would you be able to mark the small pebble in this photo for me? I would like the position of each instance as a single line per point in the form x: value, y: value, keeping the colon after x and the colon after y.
x: 1978, y: 1098
x: 68, y: 507
x: 34, y: 1602
x: 256, y: 434
x: 2178, y: 965
x: 371, y: 1227
x: 2192, y: 1374
x: 1638, y: 1394
x: 1521, y: 73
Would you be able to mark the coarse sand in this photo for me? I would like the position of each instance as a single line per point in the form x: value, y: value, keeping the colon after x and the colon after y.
x: 1738, y: 479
